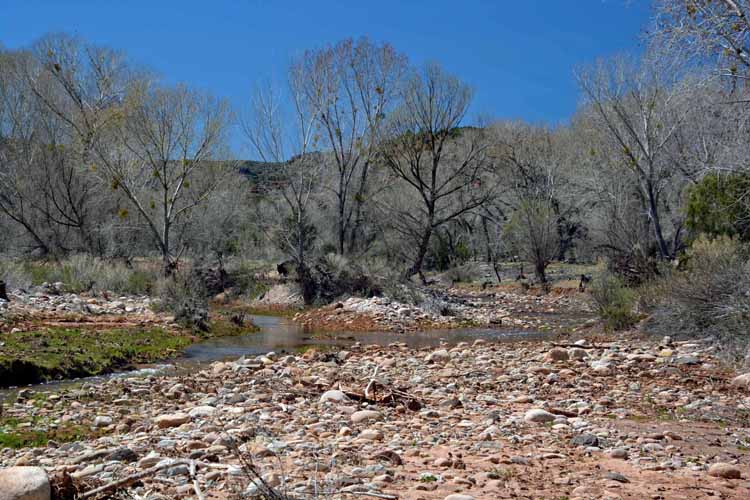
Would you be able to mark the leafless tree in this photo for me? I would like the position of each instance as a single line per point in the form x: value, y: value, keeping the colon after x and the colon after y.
x: 165, y: 157
x: 441, y: 165
x: 281, y: 130
x: 353, y: 86
x: 701, y: 30
x: 641, y: 107
x: 533, y: 161
x: 60, y: 94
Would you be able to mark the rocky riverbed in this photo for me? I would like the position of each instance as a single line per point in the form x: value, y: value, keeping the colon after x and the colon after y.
x: 625, y: 418
x: 502, y: 307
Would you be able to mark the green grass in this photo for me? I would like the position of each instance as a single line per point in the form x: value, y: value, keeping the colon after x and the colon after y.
x: 13, y: 435
x: 62, y: 353
x: 55, y: 353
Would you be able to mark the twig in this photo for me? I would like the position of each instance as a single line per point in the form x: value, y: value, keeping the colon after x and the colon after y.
x: 131, y: 479
x: 576, y: 346
x: 370, y: 494
x: 196, y: 487
x: 372, y: 382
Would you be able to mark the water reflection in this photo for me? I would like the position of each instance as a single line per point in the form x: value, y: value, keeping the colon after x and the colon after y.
x: 281, y: 334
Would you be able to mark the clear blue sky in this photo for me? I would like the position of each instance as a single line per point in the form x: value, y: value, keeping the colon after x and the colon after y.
x: 517, y: 54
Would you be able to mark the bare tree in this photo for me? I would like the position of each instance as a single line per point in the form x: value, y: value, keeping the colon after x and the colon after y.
x: 440, y: 164
x: 166, y: 157
x: 59, y: 97
x: 282, y: 132
x: 353, y: 86
x: 702, y: 30
x: 641, y: 107
x: 533, y: 161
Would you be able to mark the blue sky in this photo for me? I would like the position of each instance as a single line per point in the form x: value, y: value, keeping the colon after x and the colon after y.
x: 518, y: 55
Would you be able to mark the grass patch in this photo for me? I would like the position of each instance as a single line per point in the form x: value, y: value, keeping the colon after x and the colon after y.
x: 57, y: 353
x: 13, y: 437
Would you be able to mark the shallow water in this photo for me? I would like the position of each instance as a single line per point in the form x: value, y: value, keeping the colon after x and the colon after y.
x: 283, y: 335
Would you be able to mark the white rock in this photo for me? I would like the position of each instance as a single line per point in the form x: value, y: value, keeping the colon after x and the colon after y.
x: 742, y: 381
x: 202, y: 411
x: 333, y: 395
x: 24, y: 483
x: 537, y: 415
x: 365, y: 416
x: 102, y: 421
x: 439, y: 356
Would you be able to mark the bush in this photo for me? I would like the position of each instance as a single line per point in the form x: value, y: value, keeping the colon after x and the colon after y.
x: 82, y: 273
x: 467, y: 273
x: 709, y: 297
x: 614, y: 301
x: 14, y: 274
x: 334, y: 276
x: 717, y: 205
x: 184, y: 295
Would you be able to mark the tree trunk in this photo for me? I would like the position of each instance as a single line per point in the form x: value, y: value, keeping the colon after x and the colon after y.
x: 540, y: 268
x: 416, y: 267
x: 654, y: 210
x: 359, y: 201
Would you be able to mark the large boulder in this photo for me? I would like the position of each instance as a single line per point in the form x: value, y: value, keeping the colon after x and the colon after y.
x: 24, y: 483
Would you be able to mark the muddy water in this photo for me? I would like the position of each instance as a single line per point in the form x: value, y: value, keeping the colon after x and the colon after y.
x: 284, y: 336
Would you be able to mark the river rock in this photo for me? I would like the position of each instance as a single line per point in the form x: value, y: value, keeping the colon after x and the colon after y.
x: 724, y: 470
x: 365, y: 416
x: 102, y: 421
x: 537, y: 415
x: 371, y: 435
x: 171, y: 420
x: 742, y: 381
x: 557, y: 354
x: 123, y: 454
x: 585, y: 439
x: 439, y: 356
x: 201, y: 412
x: 24, y: 483
x: 333, y: 395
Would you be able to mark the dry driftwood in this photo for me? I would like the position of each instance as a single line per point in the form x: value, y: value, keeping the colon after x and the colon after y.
x: 127, y: 481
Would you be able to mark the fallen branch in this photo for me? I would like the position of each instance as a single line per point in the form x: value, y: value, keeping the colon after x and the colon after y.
x: 370, y: 494
x: 576, y: 346
x: 196, y: 487
x: 126, y: 481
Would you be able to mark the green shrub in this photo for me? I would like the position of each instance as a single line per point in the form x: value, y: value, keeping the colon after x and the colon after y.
x: 718, y: 205
x: 709, y: 297
x: 614, y: 301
